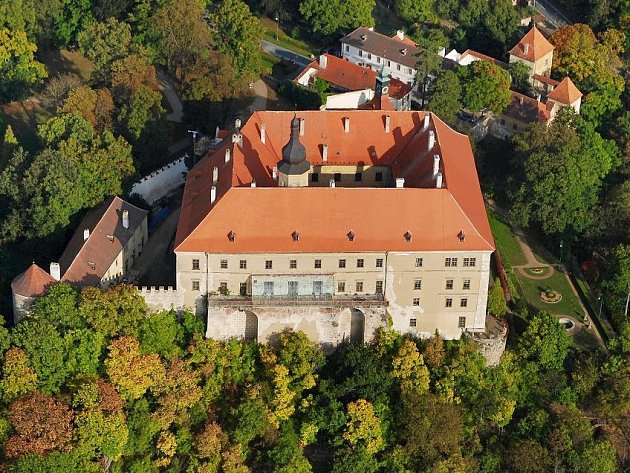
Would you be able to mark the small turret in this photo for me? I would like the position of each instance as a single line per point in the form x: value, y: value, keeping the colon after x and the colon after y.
x: 293, y: 167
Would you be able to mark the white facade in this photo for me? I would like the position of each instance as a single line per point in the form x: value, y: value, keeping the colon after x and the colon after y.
x: 363, y: 58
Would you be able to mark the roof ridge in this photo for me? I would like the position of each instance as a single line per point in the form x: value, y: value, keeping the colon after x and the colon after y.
x: 472, y: 224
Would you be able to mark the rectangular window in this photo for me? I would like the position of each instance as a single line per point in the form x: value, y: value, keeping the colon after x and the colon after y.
x: 360, y: 263
x: 337, y: 177
x: 378, y: 60
x: 268, y: 264
x: 242, y: 264
x: 416, y: 301
x: 224, y: 264
x: 243, y: 289
x: 379, y: 287
x: 195, y: 285
x: 292, y: 288
x: 461, y: 323
x: 412, y: 322
x: 417, y: 284
x: 449, y: 302
x: 470, y: 262
x: 379, y: 262
x: 223, y: 288
x: 315, y: 177
x: 317, y: 288
x: 463, y: 302
x: 318, y: 264
x: 389, y: 64
x: 378, y: 177
x: 293, y: 264
x: 466, y: 284
x: 450, y: 262
x: 398, y: 67
x: 409, y: 71
x: 369, y: 56
x: 359, y: 286
x: 342, y: 263
x: 419, y: 262
x: 347, y: 48
x: 341, y: 286
x: 449, y: 284
x: 195, y: 264
x: 358, y: 177
x: 268, y: 288
x: 360, y: 53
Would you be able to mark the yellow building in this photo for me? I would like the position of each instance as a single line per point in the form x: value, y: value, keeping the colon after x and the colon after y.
x: 535, y: 51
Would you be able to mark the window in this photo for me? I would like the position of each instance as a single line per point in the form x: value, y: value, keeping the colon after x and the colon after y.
x: 195, y: 264
x: 417, y: 284
x: 293, y: 264
x: 317, y: 288
x: 243, y: 289
x: 389, y: 64
x: 347, y: 48
x: 358, y: 177
x: 419, y: 262
x: 470, y: 262
x: 369, y: 56
x: 350, y: 235
x: 337, y: 177
x: 295, y: 236
x: 318, y: 264
x: 378, y: 177
x: 463, y: 302
x: 359, y: 286
x: 268, y: 288
x: 341, y: 286
x: 223, y: 288
x: 409, y: 71
x: 268, y: 264
x: 408, y: 236
x: 450, y: 262
x: 231, y: 236
x: 449, y: 284
x: 292, y: 288
x: 342, y: 263
x: 224, y: 264
x: 315, y: 177
x: 242, y: 264
x: 360, y: 53
x: 466, y: 285
x: 416, y: 301
x: 461, y: 323
x: 360, y: 263
x: 398, y: 67
x: 379, y: 262
x: 412, y: 322
x: 195, y: 285
x: 449, y: 302
x: 379, y: 287
x: 378, y: 60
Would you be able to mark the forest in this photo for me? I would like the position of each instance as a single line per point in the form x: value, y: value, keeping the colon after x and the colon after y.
x: 93, y: 381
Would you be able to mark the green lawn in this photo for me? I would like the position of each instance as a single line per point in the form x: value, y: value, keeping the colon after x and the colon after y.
x: 569, y: 305
x: 508, y: 246
x: 284, y: 40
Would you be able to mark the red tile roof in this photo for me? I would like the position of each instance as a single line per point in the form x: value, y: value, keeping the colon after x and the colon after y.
x: 565, y: 92
x: 351, y: 77
x: 378, y: 102
x: 483, y: 57
x: 32, y: 282
x: 527, y: 109
x: 84, y: 263
x: 263, y: 217
x: 545, y: 80
x: 538, y: 46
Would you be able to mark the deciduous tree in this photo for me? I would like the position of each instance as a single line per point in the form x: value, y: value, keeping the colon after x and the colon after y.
x: 545, y: 341
x: 96, y: 106
x: 19, y: 70
x: 496, y: 300
x: 18, y: 377
x: 363, y: 428
x: 485, y: 86
x: 446, y: 91
x: 327, y: 17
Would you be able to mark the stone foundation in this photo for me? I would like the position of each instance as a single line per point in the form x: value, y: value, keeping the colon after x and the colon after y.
x: 492, y: 341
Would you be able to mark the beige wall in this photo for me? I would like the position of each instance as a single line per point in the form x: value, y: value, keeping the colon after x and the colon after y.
x: 128, y: 255
x: 542, y: 66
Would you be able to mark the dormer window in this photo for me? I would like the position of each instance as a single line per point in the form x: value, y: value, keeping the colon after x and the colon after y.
x: 408, y: 236
x: 350, y: 235
x: 461, y: 235
x: 231, y: 236
x: 295, y: 235
x: 110, y: 238
x: 92, y: 265
x: 403, y: 51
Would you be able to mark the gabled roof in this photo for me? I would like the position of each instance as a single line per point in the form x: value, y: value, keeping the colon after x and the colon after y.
x: 565, y: 92
x: 349, y: 76
x: 527, y: 109
x: 378, y: 102
x: 262, y: 218
x: 482, y: 57
x: 84, y: 263
x: 545, y: 80
x: 32, y: 282
x: 537, y: 46
x: 389, y: 48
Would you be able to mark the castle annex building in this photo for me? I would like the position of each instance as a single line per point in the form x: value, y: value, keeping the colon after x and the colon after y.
x: 333, y: 223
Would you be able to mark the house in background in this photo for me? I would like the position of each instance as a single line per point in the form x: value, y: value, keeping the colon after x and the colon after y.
x: 536, y: 52
x: 101, y: 251
x: 356, y: 85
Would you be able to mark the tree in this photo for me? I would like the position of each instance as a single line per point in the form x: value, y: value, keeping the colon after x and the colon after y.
x: 70, y: 19
x: 18, y: 378
x: 355, y: 460
x: 485, y: 86
x: 18, y: 15
x: 96, y: 106
x: 327, y: 17
x: 545, y: 342
x: 496, y: 300
x: 617, y: 281
x: 58, y: 88
x: 527, y: 456
x: 41, y: 424
x: 363, y: 428
x: 19, y: 70
x: 238, y: 34
x: 59, y: 307
x: 446, y: 91
x: 520, y: 72
x: 129, y: 74
x: 414, y: 11
x: 144, y: 108
x: 208, y: 445
x: 176, y: 392
x: 409, y: 368
x: 161, y: 333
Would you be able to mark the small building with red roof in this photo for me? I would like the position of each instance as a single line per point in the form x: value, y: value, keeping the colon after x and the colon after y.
x: 535, y: 51
x: 27, y: 287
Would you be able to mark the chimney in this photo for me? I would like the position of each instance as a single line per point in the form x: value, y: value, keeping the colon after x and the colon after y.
x: 234, y: 137
x: 346, y: 124
x: 323, y: 61
x: 436, y: 164
x: 431, y: 142
x: 216, y: 133
x: 263, y: 133
x: 388, y: 120
x: 227, y: 155
x: 274, y: 173
x: 363, y: 37
x: 427, y: 117
x: 526, y: 47
x: 237, y: 124
x: 86, y: 234
x: 215, y: 175
x: 438, y: 180
x: 301, y: 127
x: 521, y: 100
x: 253, y: 184
x: 400, y: 34
x: 400, y: 182
x: 55, y: 271
x: 213, y: 194
x: 125, y: 218
x: 324, y: 152
x: 331, y: 183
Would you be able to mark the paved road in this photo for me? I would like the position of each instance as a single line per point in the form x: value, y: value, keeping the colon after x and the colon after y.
x: 551, y: 13
x: 260, y: 97
x: 284, y: 53
x: 168, y: 89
